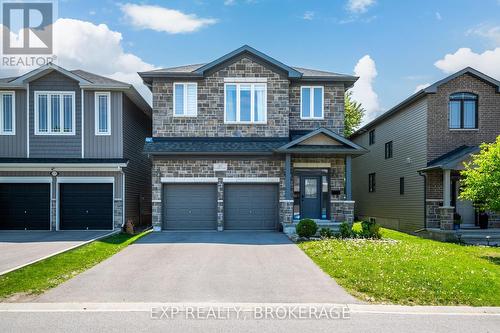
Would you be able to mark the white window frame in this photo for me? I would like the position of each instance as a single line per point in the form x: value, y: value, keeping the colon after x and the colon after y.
x: 252, y: 85
x: 185, y: 101
x: 96, y: 112
x: 13, y: 132
x: 311, y: 103
x: 49, y: 112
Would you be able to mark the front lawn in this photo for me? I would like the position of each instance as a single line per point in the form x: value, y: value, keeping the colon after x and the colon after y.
x: 43, y: 275
x: 412, y: 270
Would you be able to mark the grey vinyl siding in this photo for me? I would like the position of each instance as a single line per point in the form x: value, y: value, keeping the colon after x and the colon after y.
x: 407, y: 130
x: 136, y: 127
x: 103, y: 146
x: 55, y: 145
x: 15, y: 145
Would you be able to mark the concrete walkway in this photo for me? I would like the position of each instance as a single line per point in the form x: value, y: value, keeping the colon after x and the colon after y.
x: 204, y: 267
x: 18, y: 248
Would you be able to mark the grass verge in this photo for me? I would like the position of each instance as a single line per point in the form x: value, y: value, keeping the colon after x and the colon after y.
x: 412, y: 270
x: 49, y: 273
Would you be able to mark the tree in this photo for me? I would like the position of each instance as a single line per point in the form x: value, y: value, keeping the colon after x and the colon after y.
x: 482, y: 178
x: 354, y: 113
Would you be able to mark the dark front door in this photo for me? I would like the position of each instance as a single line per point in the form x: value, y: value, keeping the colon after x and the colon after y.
x: 310, y: 197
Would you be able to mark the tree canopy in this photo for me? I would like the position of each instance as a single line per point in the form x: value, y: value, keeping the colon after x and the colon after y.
x: 354, y: 113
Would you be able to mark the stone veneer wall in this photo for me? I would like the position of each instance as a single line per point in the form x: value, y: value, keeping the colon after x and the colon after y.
x: 342, y: 211
x: 203, y: 168
x: 210, y: 119
x: 433, y: 213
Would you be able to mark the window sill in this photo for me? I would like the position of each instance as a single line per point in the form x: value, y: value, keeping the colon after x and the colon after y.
x: 463, y: 129
x: 8, y: 133
x: 322, y: 118
x: 244, y: 123
x: 55, y: 134
x: 103, y: 134
x: 183, y: 116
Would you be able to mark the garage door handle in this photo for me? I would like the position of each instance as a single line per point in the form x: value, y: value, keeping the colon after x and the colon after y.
x: 86, y: 211
x: 25, y: 212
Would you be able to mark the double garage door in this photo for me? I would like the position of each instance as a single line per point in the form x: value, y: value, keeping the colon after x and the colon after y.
x: 26, y: 206
x: 194, y: 206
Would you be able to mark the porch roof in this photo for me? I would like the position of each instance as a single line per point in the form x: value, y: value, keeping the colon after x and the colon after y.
x: 453, y: 159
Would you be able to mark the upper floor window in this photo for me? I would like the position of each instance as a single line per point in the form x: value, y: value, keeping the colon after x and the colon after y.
x: 463, y: 111
x: 311, y: 102
x: 245, y: 103
x: 54, y: 113
x: 402, y: 185
x: 388, y: 150
x: 185, y: 99
x: 102, y: 115
x: 7, y: 114
x: 371, y: 137
x: 371, y: 182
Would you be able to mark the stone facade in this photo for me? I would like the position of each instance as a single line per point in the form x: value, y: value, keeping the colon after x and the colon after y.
x: 433, y: 214
x: 333, y: 108
x: 446, y: 217
x: 342, y: 211
x: 440, y: 138
x: 210, y: 119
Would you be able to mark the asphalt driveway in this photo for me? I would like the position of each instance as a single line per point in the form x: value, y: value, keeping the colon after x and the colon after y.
x: 19, y: 248
x: 204, y: 267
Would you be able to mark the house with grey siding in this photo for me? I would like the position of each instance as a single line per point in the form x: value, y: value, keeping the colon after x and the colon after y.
x: 246, y: 142
x: 71, y: 152
x: 410, y: 178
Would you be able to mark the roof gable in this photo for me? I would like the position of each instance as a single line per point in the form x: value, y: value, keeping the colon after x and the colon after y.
x: 44, y: 70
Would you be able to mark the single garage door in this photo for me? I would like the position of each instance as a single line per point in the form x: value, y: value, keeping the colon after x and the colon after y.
x: 24, y: 206
x: 250, y: 206
x: 190, y: 206
x: 85, y: 206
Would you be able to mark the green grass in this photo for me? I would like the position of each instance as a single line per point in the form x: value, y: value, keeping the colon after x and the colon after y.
x: 43, y: 275
x: 412, y: 270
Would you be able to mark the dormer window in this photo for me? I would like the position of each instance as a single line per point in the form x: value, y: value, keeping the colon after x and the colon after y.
x: 311, y: 102
x: 463, y: 111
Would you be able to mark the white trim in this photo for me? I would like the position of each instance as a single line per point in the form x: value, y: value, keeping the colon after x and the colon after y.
x: 343, y: 201
x: 33, y: 180
x: 286, y: 200
x: 434, y: 200
x: 185, y: 100
x: 83, y: 180
x: 82, y: 112
x: 97, y: 94
x: 28, y: 120
x: 155, y: 201
x: 13, y: 93
x: 252, y: 104
x: 259, y: 180
x: 49, y: 112
x: 189, y: 180
x: 311, y: 103
x: 245, y: 79
x: 311, y: 165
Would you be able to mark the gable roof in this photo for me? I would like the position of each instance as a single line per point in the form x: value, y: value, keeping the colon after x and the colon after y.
x: 452, y: 158
x: 294, y: 73
x: 86, y: 80
x: 346, y: 146
x: 432, y: 89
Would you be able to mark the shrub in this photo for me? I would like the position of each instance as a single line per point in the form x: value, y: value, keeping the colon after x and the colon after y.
x: 326, y: 233
x: 370, y: 229
x: 346, y: 230
x: 306, y: 228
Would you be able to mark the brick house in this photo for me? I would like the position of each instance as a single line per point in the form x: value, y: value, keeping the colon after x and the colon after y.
x: 246, y: 142
x: 410, y: 178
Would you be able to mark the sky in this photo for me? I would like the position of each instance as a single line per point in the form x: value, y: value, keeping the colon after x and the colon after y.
x: 395, y: 47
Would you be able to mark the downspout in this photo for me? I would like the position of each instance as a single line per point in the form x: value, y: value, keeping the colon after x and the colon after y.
x: 424, y: 175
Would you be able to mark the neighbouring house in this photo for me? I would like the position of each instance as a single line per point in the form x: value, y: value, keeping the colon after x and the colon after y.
x: 410, y: 179
x: 71, y: 152
x: 246, y: 142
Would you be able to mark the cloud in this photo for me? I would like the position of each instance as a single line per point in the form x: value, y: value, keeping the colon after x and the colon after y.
x: 308, y: 16
x: 229, y: 2
x: 491, y: 33
x: 421, y: 86
x: 438, y: 16
x: 97, y: 49
x: 487, y: 62
x: 363, y: 88
x: 164, y: 19
x: 359, y: 6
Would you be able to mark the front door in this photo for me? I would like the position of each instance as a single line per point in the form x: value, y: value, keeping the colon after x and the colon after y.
x: 310, y: 197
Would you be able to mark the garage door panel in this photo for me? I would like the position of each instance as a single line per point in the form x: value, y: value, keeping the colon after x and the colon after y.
x: 86, y: 206
x: 250, y: 206
x: 190, y: 206
x: 24, y: 206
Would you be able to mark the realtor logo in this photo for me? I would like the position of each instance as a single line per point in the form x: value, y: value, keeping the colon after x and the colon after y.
x: 27, y: 27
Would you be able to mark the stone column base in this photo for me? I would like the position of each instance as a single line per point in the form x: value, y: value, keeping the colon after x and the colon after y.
x: 446, y: 217
x: 342, y: 211
x: 493, y: 219
x: 286, y: 213
x: 433, y: 215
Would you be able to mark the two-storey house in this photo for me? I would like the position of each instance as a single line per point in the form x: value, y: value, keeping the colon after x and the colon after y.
x: 246, y: 142
x: 71, y: 152
x: 410, y: 178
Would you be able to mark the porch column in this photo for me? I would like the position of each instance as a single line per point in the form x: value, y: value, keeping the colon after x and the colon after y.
x: 446, y: 188
x: 348, y: 172
x: 288, y: 177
